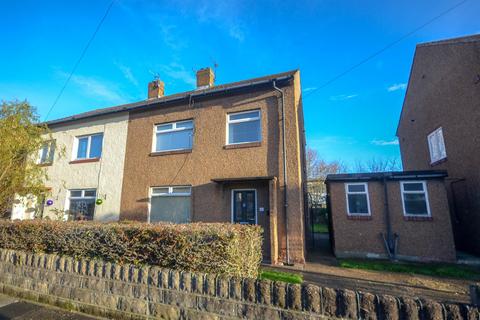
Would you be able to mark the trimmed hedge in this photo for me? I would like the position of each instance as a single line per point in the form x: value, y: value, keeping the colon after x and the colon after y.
x: 203, y: 247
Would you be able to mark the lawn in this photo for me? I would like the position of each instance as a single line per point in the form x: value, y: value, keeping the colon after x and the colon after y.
x: 280, y: 276
x: 320, y: 228
x: 435, y: 270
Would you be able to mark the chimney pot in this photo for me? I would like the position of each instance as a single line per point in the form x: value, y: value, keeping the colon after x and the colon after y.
x: 156, y: 89
x: 205, y: 78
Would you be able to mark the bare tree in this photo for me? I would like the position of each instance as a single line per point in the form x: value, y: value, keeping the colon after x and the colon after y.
x: 318, y: 168
x: 378, y: 165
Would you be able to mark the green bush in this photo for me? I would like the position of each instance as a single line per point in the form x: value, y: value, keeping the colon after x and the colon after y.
x: 203, y: 247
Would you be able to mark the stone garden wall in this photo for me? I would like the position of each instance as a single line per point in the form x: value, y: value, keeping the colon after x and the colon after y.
x: 129, y: 292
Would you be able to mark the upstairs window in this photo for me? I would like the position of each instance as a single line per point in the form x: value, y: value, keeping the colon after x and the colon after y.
x: 436, y: 146
x: 357, y: 199
x: 173, y: 136
x: 88, y: 147
x: 82, y: 203
x: 46, y: 153
x: 415, y: 198
x: 243, y: 127
x: 170, y: 204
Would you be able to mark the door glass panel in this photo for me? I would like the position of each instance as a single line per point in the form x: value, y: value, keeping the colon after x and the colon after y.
x: 244, y: 207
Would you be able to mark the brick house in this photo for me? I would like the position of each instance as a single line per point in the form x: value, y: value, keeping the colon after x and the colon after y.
x: 439, y: 127
x: 398, y: 215
x: 219, y: 153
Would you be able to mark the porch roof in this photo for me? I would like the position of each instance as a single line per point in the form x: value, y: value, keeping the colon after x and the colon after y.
x: 242, y: 179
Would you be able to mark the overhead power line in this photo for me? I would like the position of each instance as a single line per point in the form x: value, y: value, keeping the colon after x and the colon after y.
x: 84, y: 51
x: 388, y: 46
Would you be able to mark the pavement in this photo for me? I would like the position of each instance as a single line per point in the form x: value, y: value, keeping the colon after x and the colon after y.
x: 12, y: 308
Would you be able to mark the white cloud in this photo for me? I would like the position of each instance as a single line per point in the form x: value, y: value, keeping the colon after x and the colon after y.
x: 177, y: 71
x: 97, y: 88
x: 343, y: 97
x: 127, y: 73
x: 309, y: 89
x: 378, y: 142
x: 396, y: 87
x: 171, y: 36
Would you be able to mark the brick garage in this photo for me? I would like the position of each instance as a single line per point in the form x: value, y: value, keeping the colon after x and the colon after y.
x: 411, y: 223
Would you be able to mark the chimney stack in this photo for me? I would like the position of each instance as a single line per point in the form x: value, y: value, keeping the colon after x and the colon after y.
x: 205, y: 78
x: 156, y: 89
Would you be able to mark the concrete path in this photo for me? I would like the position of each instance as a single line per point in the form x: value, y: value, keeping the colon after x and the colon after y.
x: 11, y: 308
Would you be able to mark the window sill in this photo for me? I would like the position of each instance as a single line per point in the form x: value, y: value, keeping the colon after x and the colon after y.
x: 46, y: 164
x: 242, y: 145
x: 359, y: 217
x: 433, y: 164
x: 84, y: 160
x: 414, y: 218
x: 166, y: 153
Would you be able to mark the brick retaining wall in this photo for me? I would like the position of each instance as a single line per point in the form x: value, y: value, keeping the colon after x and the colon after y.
x: 128, y: 292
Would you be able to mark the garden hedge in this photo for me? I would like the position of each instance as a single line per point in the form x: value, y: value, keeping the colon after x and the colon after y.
x: 203, y: 247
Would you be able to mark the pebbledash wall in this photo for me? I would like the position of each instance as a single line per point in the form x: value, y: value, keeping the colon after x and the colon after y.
x: 105, y: 174
x: 128, y: 292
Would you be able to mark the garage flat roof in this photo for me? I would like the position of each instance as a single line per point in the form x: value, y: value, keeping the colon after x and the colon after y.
x: 390, y: 175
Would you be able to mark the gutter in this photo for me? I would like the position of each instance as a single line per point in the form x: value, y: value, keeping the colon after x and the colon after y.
x: 285, y: 192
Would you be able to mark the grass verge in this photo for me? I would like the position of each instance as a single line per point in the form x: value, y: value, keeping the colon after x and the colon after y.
x: 435, y: 270
x: 320, y: 228
x: 281, y: 276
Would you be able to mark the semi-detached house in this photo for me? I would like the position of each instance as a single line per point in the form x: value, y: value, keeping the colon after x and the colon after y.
x: 226, y: 153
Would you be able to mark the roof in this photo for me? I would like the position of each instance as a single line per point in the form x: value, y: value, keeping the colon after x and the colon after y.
x: 254, y: 83
x: 464, y: 39
x: 390, y: 175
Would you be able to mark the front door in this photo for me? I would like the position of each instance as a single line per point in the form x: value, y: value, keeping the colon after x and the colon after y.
x: 244, y: 206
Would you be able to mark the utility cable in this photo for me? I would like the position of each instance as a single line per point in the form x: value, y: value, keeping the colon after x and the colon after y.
x: 388, y: 46
x: 99, y: 25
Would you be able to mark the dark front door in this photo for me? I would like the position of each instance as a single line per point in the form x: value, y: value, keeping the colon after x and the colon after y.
x: 244, y: 206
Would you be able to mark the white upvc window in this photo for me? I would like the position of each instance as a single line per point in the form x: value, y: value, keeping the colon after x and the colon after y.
x: 358, y: 202
x: 88, y: 147
x: 46, y: 153
x: 415, y: 198
x: 81, y: 203
x: 173, y: 136
x: 436, y: 146
x: 170, y: 204
x: 244, y: 127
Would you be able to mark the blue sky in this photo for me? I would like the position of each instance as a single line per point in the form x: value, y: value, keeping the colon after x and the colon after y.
x: 352, y: 119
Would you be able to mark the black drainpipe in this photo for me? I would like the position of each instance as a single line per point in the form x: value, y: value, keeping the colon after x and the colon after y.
x: 285, y: 199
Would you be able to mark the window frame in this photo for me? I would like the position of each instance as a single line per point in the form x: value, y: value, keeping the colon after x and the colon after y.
x: 170, y: 193
x: 51, y: 149
x: 259, y: 118
x: 69, y: 197
x: 174, y: 129
x: 425, y: 192
x: 365, y: 184
x: 89, y: 143
x: 443, y: 153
